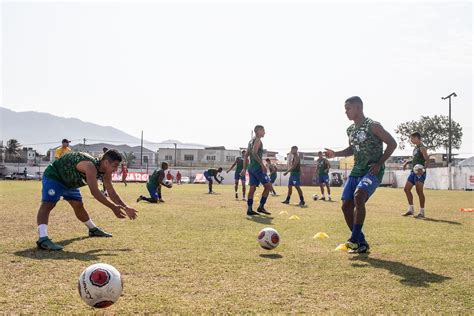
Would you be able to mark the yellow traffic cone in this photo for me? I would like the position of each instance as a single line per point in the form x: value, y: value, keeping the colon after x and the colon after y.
x: 294, y: 217
x: 321, y: 235
x: 341, y: 247
x: 283, y: 213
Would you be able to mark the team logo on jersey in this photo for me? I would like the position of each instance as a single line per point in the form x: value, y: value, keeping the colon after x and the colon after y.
x: 361, y: 136
x: 51, y: 192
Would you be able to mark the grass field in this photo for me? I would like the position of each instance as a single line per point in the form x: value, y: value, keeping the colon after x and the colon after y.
x: 197, y: 253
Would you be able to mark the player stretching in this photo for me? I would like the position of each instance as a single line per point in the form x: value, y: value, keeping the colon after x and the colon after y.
x: 366, y: 139
x: 322, y: 170
x: 273, y: 173
x: 295, y: 173
x: 417, y: 175
x: 212, y: 173
x: 154, y: 185
x: 257, y: 172
x: 239, y: 164
x: 64, y: 177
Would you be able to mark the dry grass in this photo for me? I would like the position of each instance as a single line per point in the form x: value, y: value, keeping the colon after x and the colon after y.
x: 197, y: 253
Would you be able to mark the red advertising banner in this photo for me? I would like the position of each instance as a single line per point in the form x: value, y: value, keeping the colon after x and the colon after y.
x: 131, y: 177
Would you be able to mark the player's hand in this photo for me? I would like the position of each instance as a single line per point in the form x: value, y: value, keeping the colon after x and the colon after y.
x: 243, y: 172
x: 285, y: 173
x: 329, y: 153
x: 374, y: 169
x: 118, y: 211
x: 131, y: 212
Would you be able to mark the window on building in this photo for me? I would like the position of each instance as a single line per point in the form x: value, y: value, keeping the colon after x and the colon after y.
x: 230, y: 158
x: 188, y: 157
x: 145, y: 159
x: 210, y: 158
x: 168, y: 157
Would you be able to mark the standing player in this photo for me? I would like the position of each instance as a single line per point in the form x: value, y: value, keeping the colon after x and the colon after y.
x: 366, y: 139
x: 257, y: 172
x: 322, y: 170
x: 273, y: 173
x: 64, y: 149
x: 239, y: 164
x: 295, y: 177
x: 124, y: 173
x: 178, y: 177
x: 417, y: 178
x: 212, y: 173
x: 64, y: 177
x: 154, y: 184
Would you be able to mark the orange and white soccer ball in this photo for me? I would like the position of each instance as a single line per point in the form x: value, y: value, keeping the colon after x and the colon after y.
x: 100, y: 285
x: 268, y: 238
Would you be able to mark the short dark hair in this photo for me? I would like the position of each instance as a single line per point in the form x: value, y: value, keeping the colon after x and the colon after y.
x: 416, y: 134
x: 164, y: 165
x: 268, y: 159
x: 320, y: 152
x: 257, y: 127
x: 112, y: 155
x: 355, y: 100
x: 293, y: 147
x: 220, y: 169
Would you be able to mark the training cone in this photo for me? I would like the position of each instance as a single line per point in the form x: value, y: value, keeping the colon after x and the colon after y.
x: 464, y: 209
x: 294, y: 217
x: 321, y: 235
x: 283, y: 213
x: 341, y: 247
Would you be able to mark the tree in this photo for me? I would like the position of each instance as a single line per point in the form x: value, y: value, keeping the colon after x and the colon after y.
x: 434, y: 132
x: 13, y: 149
x: 129, y: 158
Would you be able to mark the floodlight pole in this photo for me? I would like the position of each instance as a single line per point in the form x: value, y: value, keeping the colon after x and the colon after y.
x: 450, y: 135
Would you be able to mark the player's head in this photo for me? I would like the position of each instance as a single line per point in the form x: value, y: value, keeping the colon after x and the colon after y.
x: 259, y: 131
x: 415, y: 138
x: 243, y: 152
x: 220, y: 169
x: 110, y: 161
x: 164, y: 165
x: 320, y: 154
x: 268, y: 160
x: 294, y: 150
x: 354, y: 107
x: 65, y: 143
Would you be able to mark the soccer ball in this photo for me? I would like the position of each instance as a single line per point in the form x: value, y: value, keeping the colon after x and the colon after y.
x: 418, y: 169
x: 315, y: 197
x: 168, y: 182
x: 268, y: 238
x: 100, y: 285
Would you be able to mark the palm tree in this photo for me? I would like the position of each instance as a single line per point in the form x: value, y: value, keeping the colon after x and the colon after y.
x: 13, y: 149
x: 129, y: 158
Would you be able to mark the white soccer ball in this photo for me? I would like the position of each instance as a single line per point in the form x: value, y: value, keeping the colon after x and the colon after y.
x: 315, y: 197
x: 268, y: 238
x: 418, y: 167
x: 169, y: 182
x: 100, y: 285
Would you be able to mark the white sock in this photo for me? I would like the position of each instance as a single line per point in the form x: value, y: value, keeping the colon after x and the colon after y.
x: 410, y: 208
x: 43, y: 230
x: 323, y: 195
x: 422, y: 210
x: 90, y: 224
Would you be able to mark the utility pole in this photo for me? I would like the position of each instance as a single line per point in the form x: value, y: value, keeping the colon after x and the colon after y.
x: 84, y: 145
x: 141, y: 152
x: 449, y: 139
x: 175, y: 150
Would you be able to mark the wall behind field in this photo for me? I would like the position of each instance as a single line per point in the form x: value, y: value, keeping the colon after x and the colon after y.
x: 438, y: 178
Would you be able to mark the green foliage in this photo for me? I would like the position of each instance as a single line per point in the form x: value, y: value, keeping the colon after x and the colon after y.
x: 434, y: 132
x: 129, y: 158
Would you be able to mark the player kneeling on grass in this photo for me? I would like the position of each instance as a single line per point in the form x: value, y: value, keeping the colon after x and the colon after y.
x: 65, y: 176
x: 154, y: 185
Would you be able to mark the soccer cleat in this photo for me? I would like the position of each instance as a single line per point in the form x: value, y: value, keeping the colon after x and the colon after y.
x: 251, y: 212
x: 322, y: 199
x: 351, y: 245
x: 140, y: 198
x: 161, y: 201
x: 286, y: 202
x: 407, y: 213
x: 420, y: 216
x: 236, y: 196
x: 47, y: 244
x: 97, y: 232
x: 244, y: 199
x: 363, y: 248
x: 301, y: 203
x: 329, y: 199
x: 263, y: 210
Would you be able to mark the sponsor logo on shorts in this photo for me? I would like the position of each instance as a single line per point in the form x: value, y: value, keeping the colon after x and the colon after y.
x: 51, y: 192
x: 367, y: 181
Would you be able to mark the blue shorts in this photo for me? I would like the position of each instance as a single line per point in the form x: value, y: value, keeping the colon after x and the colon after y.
x: 323, y: 179
x: 413, y: 178
x: 368, y: 183
x: 273, y: 177
x: 294, y: 181
x: 152, y: 190
x: 207, y: 176
x: 257, y: 177
x: 53, y: 190
x: 238, y: 177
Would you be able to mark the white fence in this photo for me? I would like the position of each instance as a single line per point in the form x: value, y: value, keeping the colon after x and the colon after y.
x: 462, y: 178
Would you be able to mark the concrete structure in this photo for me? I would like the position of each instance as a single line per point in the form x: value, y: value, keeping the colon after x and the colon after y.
x: 208, y: 157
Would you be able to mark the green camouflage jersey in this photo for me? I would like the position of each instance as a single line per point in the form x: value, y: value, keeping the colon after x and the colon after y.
x: 418, y: 158
x: 254, y: 165
x: 322, y: 167
x: 156, y: 177
x: 272, y: 168
x: 367, y: 148
x: 239, y: 165
x: 64, y: 169
x: 297, y: 170
x: 212, y: 172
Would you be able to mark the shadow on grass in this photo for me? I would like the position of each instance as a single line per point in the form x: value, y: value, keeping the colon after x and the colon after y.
x: 91, y: 255
x: 271, y: 256
x: 427, y: 219
x: 261, y: 220
x: 411, y: 276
